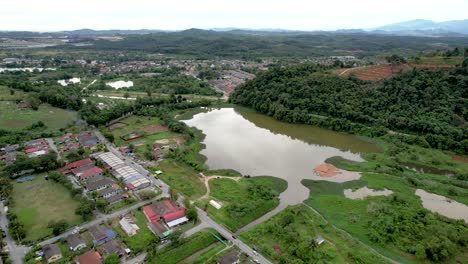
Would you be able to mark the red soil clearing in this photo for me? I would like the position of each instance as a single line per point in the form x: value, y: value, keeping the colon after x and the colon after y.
x: 156, y: 128
x: 326, y: 170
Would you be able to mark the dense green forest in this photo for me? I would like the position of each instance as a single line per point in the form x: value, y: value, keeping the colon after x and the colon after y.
x: 249, y: 45
x: 432, y: 105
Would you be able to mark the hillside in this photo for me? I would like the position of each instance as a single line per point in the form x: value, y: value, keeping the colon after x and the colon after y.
x: 425, y: 103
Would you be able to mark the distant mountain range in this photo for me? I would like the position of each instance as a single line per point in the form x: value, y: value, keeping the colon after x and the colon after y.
x: 422, y: 26
x: 417, y: 27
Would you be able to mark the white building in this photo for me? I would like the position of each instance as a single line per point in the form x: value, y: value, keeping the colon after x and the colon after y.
x: 128, y: 226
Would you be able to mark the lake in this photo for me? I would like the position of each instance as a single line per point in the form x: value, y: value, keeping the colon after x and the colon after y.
x: 255, y: 144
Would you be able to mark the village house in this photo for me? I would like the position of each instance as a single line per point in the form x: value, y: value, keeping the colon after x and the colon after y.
x: 109, y: 192
x: 52, y: 253
x: 75, y: 242
x: 84, y: 163
x: 90, y: 257
x: 112, y: 247
x: 35, y: 148
x: 100, y: 236
x: 116, y: 199
x: 128, y: 226
x: 98, y: 185
x: 164, y: 215
x: 87, y: 173
x: 87, y: 139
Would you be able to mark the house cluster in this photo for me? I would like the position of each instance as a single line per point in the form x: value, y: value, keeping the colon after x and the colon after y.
x: 92, y: 179
x: 133, y: 179
x: 102, y: 239
x: 230, y: 80
x: 9, y: 153
x: 164, y: 215
x: 85, y: 139
x: 36, y: 148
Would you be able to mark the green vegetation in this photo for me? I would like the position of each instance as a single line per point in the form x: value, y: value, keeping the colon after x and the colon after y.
x: 186, y: 248
x: 223, y: 172
x: 14, y: 118
x: 7, y: 94
x: 142, y: 239
x: 36, y: 203
x: 397, y: 226
x: 182, y: 178
x: 211, y: 255
x: 244, y: 200
x: 428, y: 104
x: 290, y: 237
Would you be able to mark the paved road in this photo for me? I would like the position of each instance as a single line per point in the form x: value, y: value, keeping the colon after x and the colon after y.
x: 228, y: 235
x: 52, y: 145
x: 263, y: 218
x: 17, y: 252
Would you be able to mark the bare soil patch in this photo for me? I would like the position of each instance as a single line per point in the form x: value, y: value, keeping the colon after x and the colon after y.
x: 117, y: 125
x: 156, y: 128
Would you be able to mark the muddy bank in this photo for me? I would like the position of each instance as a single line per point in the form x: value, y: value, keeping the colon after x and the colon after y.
x: 426, y: 169
x: 443, y: 205
x: 364, y: 192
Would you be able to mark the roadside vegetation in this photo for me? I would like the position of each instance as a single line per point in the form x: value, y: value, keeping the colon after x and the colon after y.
x: 292, y: 236
x: 183, y: 248
x: 243, y: 201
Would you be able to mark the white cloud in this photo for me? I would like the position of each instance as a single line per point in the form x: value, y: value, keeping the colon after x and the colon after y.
x: 156, y: 14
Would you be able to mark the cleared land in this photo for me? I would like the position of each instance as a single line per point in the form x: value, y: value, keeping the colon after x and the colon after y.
x: 38, y: 202
x: 245, y: 200
x: 182, y: 178
x: 14, y: 118
x: 290, y: 237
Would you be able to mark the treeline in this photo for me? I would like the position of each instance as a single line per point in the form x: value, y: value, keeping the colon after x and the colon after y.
x: 432, y: 105
x: 95, y: 116
x: 251, y: 45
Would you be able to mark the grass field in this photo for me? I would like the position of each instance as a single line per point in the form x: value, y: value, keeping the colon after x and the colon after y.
x: 182, y: 178
x: 244, y: 201
x: 289, y: 237
x: 39, y: 201
x: 190, y: 246
x: 14, y: 118
x: 142, y: 239
x: 5, y: 94
x: 137, y: 124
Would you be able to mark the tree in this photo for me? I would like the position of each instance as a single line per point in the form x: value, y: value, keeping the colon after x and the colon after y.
x: 174, y: 195
x: 58, y: 227
x: 112, y: 259
x: 192, y: 213
x: 126, y: 95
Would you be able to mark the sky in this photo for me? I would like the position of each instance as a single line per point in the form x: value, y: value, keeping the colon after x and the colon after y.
x: 57, y: 15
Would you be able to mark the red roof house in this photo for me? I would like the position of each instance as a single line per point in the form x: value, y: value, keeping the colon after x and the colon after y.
x: 90, y: 257
x: 76, y: 164
x: 87, y: 173
x: 165, y: 210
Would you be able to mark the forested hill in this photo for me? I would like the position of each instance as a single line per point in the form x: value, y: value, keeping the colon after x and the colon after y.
x: 430, y: 104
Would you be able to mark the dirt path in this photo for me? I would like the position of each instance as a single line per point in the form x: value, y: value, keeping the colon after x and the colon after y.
x: 206, y: 180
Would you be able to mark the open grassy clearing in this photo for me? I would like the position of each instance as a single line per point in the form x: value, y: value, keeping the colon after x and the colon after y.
x: 289, y: 237
x: 6, y: 94
x: 438, y: 60
x: 141, y: 124
x: 182, y: 178
x: 38, y: 202
x: 244, y: 200
x: 188, y: 247
x: 14, y: 118
x: 211, y: 255
x: 142, y: 239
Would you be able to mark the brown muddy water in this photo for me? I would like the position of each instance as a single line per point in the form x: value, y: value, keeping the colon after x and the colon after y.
x: 255, y: 144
